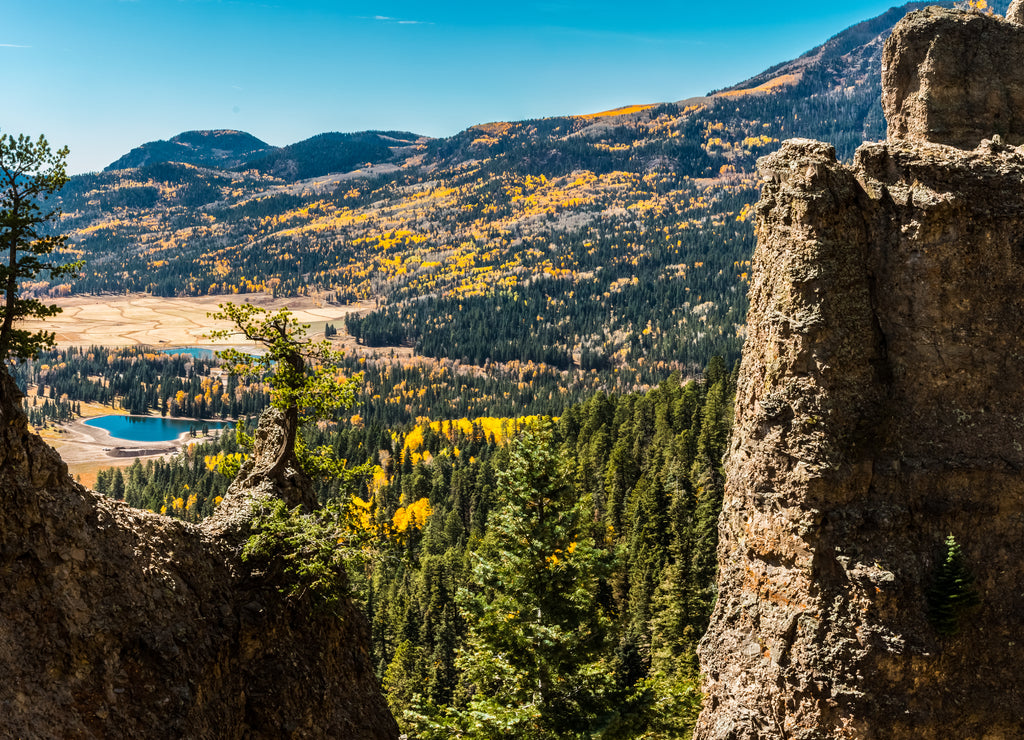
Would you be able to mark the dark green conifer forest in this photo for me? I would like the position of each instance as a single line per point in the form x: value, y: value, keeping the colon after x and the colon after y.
x: 547, y: 580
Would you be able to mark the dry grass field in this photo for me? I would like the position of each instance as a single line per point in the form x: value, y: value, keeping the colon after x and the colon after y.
x: 162, y: 323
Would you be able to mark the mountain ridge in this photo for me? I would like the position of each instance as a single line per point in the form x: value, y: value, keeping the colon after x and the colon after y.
x: 209, y: 147
x: 229, y: 149
x: 610, y: 239
x: 835, y: 47
x: 333, y: 152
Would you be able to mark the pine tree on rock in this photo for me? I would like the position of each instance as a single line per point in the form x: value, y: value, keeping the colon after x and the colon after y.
x: 30, y: 174
x: 952, y: 592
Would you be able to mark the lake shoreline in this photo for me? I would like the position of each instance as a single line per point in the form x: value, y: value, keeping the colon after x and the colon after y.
x: 103, y: 423
x: 87, y: 449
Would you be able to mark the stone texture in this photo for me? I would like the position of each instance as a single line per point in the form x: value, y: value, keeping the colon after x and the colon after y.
x: 1015, y: 13
x: 119, y: 623
x: 955, y: 77
x: 271, y: 471
x: 880, y: 407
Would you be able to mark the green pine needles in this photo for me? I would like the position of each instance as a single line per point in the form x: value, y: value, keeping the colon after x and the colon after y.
x: 307, y: 547
x: 31, y: 174
x: 952, y: 593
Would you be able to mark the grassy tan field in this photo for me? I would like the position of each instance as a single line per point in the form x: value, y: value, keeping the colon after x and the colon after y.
x: 163, y: 323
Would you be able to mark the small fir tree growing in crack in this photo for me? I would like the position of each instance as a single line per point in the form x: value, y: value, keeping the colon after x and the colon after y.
x: 952, y: 593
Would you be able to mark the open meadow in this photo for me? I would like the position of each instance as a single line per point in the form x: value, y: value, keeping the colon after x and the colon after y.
x: 165, y: 323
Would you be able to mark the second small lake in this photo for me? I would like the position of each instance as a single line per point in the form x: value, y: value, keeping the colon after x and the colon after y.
x: 200, y: 353
x: 205, y: 353
x: 149, y: 428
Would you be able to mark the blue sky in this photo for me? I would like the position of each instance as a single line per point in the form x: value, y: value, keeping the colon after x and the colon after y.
x: 103, y: 76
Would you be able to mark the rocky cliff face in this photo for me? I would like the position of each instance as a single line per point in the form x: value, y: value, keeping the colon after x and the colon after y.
x: 119, y: 623
x: 880, y: 409
x: 955, y: 78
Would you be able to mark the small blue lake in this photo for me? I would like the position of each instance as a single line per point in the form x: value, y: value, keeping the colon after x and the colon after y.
x: 149, y: 428
x: 205, y: 353
x: 199, y: 353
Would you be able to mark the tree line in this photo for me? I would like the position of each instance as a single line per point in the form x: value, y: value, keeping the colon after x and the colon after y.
x: 557, y: 574
x: 141, y: 381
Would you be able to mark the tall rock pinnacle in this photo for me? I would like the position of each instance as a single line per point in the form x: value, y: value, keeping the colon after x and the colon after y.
x: 880, y: 410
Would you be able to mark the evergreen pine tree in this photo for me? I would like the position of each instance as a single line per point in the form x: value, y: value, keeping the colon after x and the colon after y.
x: 117, y: 484
x: 531, y: 662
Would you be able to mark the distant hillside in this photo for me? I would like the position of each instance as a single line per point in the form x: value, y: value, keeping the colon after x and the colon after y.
x: 324, y: 154
x: 223, y: 148
x: 831, y: 62
x: 616, y: 242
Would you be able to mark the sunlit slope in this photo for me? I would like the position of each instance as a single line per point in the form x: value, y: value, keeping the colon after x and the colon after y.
x: 608, y: 238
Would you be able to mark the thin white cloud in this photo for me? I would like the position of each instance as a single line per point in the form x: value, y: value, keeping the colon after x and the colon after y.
x: 15, y: 46
x: 398, y: 21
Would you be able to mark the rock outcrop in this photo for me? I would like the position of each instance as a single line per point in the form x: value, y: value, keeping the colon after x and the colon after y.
x: 881, y: 408
x: 119, y: 623
x: 272, y: 471
x: 955, y: 78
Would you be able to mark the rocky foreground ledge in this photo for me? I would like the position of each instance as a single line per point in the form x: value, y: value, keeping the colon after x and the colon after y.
x: 880, y: 409
x: 120, y: 623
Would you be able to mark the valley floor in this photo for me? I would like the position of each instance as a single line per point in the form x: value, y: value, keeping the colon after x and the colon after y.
x: 163, y: 323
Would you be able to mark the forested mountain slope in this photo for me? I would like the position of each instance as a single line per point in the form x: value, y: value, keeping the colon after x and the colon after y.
x: 607, y: 239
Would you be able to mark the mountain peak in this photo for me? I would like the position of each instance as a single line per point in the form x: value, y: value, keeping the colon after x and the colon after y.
x: 321, y: 154
x: 206, y: 148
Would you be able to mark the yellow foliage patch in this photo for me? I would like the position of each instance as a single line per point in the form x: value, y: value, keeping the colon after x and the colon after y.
x: 772, y: 84
x: 624, y: 110
x: 412, y: 516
